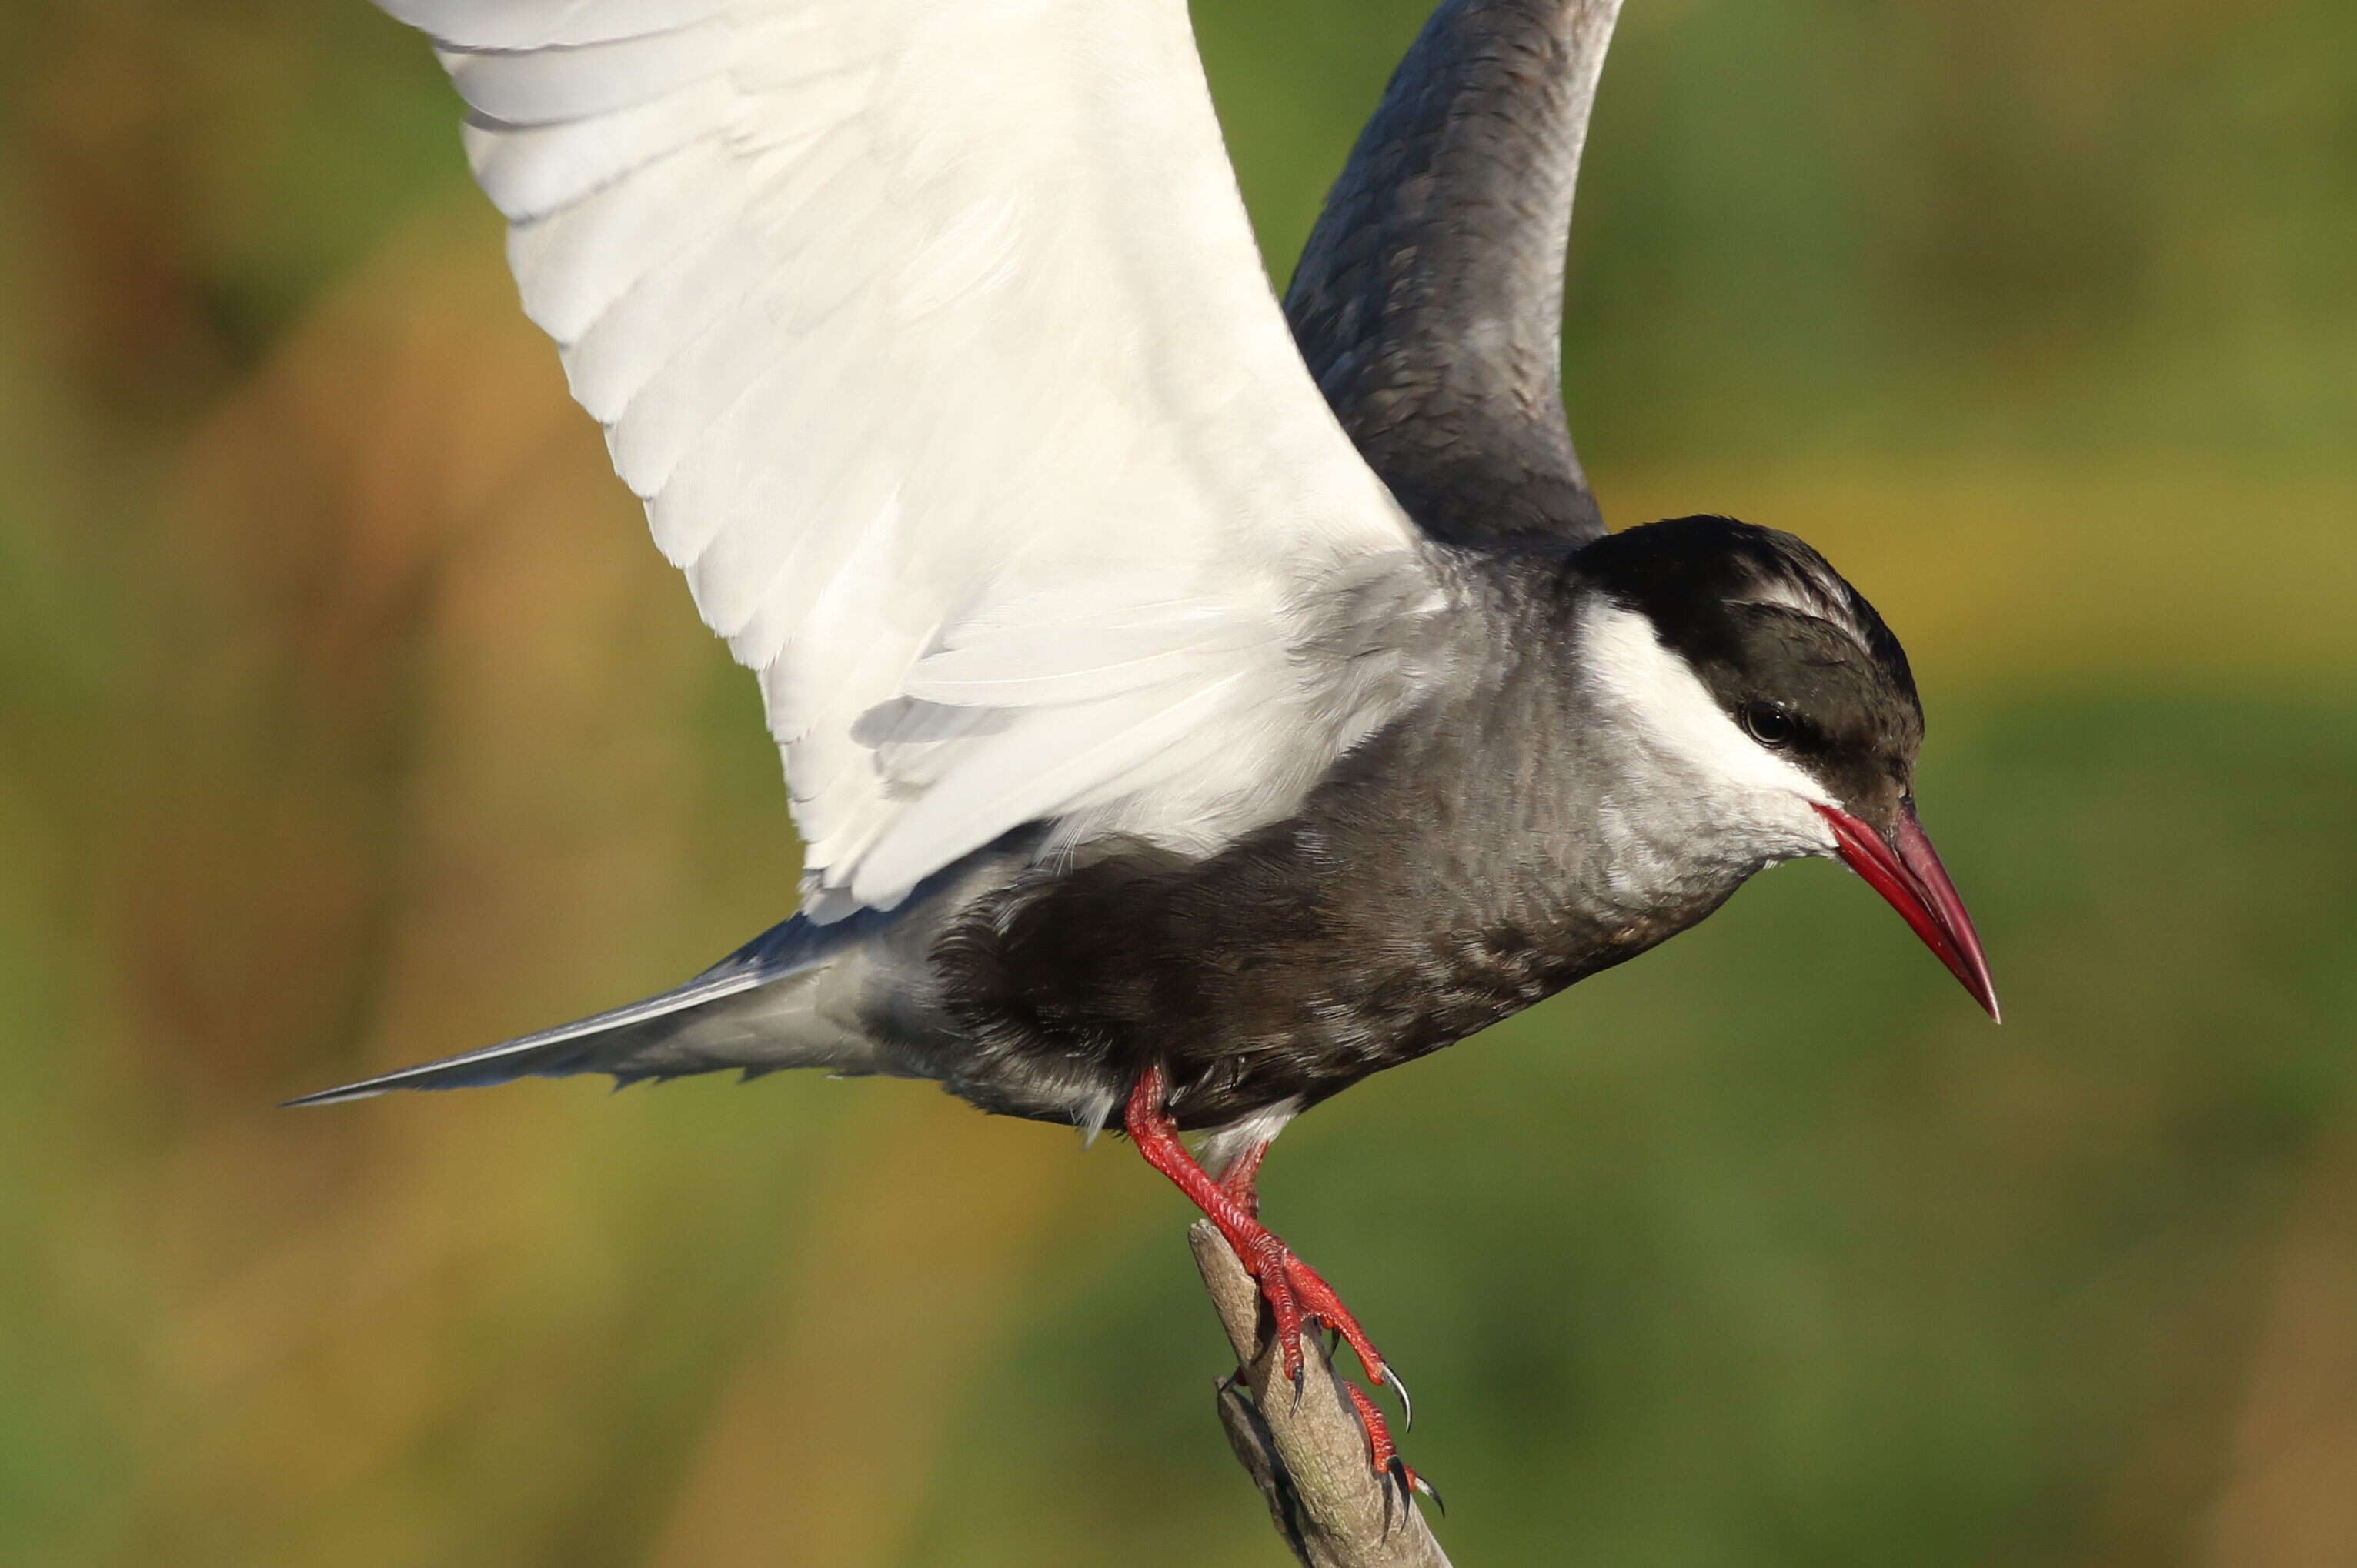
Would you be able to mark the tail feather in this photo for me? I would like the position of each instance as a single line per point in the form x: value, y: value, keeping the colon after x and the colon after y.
x: 756, y: 1009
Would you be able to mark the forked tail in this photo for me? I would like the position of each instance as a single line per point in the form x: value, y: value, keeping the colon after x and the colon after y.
x: 760, y: 1009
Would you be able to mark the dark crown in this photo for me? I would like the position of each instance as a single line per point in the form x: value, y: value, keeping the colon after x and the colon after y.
x: 1769, y: 627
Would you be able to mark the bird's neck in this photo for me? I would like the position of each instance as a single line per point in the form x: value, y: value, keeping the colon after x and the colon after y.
x: 1678, y: 802
x: 1586, y: 793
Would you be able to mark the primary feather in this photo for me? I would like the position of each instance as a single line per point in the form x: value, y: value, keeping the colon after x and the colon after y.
x: 1429, y: 299
x: 933, y: 335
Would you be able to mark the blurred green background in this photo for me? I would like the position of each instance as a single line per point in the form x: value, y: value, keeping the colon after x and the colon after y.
x: 347, y: 717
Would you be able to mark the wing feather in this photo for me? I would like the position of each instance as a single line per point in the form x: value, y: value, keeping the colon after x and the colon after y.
x: 545, y: 24
x: 932, y: 335
x: 547, y: 87
x: 1429, y: 298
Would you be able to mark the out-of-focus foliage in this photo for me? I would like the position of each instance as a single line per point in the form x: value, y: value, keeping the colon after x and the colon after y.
x: 347, y: 717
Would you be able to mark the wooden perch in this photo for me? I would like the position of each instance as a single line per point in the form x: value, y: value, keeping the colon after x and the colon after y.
x: 1308, y: 1457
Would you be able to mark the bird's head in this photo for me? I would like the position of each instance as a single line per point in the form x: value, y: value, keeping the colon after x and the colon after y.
x: 1741, y: 655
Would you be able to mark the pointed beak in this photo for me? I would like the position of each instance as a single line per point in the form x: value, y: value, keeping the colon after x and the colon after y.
x: 1909, y: 874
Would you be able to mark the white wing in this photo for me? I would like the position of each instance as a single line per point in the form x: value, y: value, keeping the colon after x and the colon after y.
x: 933, y: 334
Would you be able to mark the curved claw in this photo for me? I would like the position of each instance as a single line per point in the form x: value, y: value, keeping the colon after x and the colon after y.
x: 1407, y: 1406
x: 1399, y: 1480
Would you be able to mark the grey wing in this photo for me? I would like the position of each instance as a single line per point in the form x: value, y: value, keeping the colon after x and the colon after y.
x: 1429, y: 300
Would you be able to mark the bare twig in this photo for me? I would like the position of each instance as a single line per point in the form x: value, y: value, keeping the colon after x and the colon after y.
x: 1308, y: 1456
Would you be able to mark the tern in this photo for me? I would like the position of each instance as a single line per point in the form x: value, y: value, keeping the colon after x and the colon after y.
x: 1191, y: 702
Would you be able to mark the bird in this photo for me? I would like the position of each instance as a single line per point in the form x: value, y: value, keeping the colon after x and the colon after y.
x: 1191, y: 700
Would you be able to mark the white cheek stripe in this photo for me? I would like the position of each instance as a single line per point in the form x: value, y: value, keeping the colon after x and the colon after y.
x: 1665, y: 708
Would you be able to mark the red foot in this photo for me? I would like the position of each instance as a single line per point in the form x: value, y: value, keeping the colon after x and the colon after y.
x: 1385, y: 1454
x: 1295, y: 1294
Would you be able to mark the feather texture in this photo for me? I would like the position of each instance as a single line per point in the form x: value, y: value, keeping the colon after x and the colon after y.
x: 932, y: 335
x: 1429, y: 299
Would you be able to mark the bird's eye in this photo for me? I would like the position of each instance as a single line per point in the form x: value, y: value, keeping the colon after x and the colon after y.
x: 1769, y: 725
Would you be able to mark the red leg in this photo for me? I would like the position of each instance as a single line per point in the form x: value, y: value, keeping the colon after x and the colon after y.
x: 1239, y: 1178
x: 1295, y: 1294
